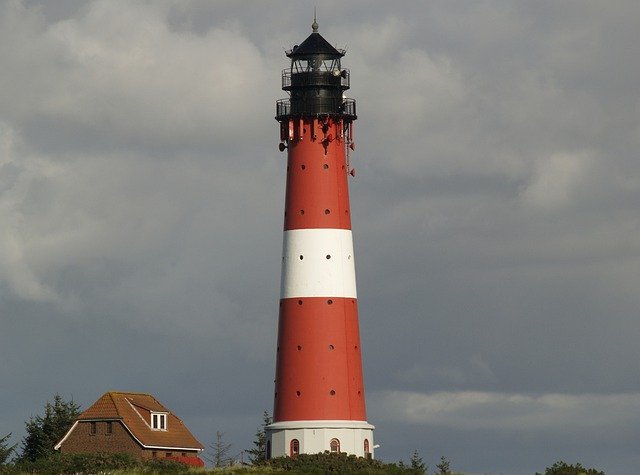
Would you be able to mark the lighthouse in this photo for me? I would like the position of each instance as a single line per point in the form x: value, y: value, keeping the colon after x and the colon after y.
x: 319, y: 398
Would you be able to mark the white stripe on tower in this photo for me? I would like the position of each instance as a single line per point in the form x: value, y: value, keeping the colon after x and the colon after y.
x: 318, y: 263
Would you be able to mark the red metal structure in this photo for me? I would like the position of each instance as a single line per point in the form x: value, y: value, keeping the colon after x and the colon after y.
x: 319, y: 401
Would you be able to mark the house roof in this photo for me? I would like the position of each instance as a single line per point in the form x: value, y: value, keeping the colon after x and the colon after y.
x: 134, y: 410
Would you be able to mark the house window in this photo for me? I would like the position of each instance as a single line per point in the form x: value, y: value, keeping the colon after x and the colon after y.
x: 154, y: 454
x: 169, y: 454
x: 93, y: 429
x: 294, y: 447
x: 158, y: 421
x: 367, y: 453
x: 335, y: 446
x: 109, y: 428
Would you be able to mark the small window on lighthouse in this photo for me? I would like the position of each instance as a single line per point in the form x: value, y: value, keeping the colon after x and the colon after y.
x: 294, y: 447
x: 335, y: 446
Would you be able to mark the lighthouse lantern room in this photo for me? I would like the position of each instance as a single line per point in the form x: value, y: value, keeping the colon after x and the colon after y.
x: 319, y: 399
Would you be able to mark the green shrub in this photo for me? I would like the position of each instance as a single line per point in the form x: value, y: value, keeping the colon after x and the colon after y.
x: 563, y: 468
x: 164, y: 466
x: 326, y: 462
x: 95, y: 463
x: 78, y: 463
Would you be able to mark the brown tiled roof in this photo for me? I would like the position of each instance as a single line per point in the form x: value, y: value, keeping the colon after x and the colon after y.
x: 134, y: 410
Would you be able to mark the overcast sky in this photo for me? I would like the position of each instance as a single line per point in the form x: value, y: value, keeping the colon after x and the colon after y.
x: 496, y: 217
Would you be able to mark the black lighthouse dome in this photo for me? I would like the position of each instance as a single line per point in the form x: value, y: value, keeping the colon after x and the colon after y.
x: 315, y: 81
x: 315, y: 46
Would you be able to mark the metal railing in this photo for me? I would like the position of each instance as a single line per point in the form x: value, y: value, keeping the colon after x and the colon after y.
x: 349, y: 107
x: 316, y: 78
x: 317, y: 106
x: 283, y: 108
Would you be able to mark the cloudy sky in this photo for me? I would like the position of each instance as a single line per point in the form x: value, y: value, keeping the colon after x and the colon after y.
x: 495, y: 213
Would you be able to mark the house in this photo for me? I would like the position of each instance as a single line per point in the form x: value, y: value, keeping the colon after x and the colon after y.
x: 134, y: 423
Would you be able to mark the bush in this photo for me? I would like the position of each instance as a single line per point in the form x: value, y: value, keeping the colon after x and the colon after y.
x: 164, y: 466
x: 335, y: 463
x: 76, y: 463
x: 563, y: 468
x: 96, y: 463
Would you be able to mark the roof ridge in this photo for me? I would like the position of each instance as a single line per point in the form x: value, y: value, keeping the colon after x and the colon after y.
x: 135, y: 403
x: 113, y: 401
x: 131, y: 392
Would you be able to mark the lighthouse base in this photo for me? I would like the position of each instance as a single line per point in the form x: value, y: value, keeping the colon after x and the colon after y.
x: 290, y: 438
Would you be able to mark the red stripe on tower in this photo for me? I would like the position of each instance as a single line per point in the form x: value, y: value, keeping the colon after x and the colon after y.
x: 319, y: 401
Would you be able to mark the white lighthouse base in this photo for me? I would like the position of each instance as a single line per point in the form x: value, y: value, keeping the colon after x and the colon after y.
x: 353, y: 437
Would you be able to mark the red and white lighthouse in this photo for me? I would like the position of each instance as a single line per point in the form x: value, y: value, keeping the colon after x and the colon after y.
x: 319, y: 401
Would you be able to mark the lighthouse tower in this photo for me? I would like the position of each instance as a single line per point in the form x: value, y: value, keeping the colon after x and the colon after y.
x: 319, y: 402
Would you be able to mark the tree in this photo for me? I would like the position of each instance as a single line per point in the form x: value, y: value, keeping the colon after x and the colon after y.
x: 5, y: 450
x: 258, y: 455
x: 444, y: 466
x: 562, y: 468
x: 219, y: 454
x: 43, y: 432
x: 417, y: 464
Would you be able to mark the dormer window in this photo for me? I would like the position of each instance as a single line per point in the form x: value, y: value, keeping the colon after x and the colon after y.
x: 158, y: 421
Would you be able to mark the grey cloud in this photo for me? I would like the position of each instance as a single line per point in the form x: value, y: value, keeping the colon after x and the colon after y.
x: 469, y: 410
